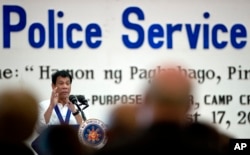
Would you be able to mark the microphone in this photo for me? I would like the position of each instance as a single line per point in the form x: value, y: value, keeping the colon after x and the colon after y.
x: 83, y: 101
x: 79, y: 98
x: 73, y: 99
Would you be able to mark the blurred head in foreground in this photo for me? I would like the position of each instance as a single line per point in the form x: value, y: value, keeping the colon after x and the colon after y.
x: 18, y: 115
x: 63, y: 140
x: 166, y: 100
x: 123, y: 122
x: 168, y: 96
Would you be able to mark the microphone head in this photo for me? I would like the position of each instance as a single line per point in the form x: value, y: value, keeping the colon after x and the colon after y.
x: 83, y: 101
x: 73, y: 99
x: 81, y: 98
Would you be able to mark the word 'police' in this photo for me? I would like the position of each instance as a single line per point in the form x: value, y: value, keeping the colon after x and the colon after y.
x: 56, y: 33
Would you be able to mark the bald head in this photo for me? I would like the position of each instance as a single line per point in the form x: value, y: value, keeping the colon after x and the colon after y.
x: 168, y: 95
x: 170, y: 87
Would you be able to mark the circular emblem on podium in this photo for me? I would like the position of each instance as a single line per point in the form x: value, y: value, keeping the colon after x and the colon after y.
x: 92, y: 132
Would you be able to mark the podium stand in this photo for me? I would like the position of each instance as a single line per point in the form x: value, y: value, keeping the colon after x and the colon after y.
x: 39, y: 144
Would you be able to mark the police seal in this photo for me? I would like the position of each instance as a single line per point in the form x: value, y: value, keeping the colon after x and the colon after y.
x: 92, y: 133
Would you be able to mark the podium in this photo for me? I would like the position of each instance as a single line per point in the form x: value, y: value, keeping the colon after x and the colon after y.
x: 39, y: 144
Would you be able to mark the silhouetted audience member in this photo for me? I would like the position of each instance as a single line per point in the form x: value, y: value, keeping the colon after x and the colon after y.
x: 202, y: 134
x: 169, y: 131
x: 18, y: 116
x: 123, y: 123
x: 62, y: 140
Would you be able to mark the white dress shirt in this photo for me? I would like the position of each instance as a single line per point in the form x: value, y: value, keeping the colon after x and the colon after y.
x: 54, y: 120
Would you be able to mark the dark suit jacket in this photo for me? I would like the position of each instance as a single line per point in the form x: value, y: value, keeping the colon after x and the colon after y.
x: 168, y: 138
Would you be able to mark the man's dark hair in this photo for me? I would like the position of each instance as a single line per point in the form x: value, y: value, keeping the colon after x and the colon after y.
x: 62, y: 73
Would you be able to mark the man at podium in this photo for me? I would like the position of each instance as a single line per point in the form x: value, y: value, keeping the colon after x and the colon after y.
x: 59, y: 109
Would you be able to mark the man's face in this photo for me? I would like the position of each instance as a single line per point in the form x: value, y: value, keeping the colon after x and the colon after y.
x: 63, y: 87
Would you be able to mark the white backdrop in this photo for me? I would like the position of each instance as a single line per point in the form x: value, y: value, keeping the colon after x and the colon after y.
x: 221, y: 56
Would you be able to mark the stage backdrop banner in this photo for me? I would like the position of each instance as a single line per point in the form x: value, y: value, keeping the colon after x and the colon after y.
x: 113, y: 48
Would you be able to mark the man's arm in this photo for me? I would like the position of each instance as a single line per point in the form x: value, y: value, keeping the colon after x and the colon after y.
x: 78, y: 118
x: 48, y: 113
x: 53, y: 102
x: 76, y: 113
